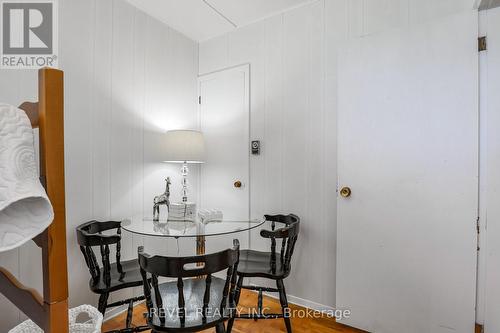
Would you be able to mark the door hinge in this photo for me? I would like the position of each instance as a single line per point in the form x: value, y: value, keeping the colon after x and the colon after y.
x: 482, y: 44
x: 199, y: 100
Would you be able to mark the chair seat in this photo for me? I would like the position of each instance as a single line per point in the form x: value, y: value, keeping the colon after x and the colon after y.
x: 132, y: 278
x: 194, y: 290
x: 259, y: 264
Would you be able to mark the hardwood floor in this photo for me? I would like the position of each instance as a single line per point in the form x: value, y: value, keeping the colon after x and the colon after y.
x: 248, y: 300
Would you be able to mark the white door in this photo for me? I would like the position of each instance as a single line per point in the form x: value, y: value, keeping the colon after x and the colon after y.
x: 408, y: 149
x: 490, y: 112
x: 224, y: 120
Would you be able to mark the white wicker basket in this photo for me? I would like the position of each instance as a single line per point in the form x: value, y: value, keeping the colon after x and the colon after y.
x: 92, y: 325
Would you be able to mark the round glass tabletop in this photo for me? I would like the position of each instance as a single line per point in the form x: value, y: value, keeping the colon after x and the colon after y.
x: 176, y: 229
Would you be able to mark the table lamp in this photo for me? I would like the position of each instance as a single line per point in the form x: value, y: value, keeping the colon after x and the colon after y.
x: 184, y: 146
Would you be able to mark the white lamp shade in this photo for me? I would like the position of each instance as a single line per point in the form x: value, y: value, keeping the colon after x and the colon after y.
x: 184, y: 146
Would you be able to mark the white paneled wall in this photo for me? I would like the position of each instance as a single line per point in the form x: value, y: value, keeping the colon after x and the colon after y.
x: 293, y: 60
x: 128, y: 79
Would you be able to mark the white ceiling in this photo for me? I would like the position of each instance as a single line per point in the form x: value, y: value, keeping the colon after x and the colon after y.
x: 204, y: 19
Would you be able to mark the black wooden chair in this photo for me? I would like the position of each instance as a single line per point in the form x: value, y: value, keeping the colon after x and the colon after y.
x: 111, y: 276
x: 196, y: 300
x: 270, y: 265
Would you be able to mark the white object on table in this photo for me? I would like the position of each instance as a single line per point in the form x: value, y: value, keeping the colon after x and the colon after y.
x: 182, y: 211
x: 210, y: 215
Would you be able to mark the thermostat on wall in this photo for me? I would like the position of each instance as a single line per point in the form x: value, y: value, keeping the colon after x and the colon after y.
x: 256, y: 147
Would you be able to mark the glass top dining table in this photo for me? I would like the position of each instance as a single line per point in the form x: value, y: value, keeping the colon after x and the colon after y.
x: 177, y: 229
x: 147, y: 226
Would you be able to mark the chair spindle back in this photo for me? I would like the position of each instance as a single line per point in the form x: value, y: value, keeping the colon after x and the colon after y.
x: 203, y: 266
x: 91, y: 235
x: 288, y: 235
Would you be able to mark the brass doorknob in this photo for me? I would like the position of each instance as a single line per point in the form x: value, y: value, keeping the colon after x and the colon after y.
x: 237, y: 184
x: 345, y: 192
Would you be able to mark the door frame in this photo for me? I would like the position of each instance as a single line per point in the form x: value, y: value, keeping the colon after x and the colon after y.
x: 488, y: 269
x: 482, y: 186
x: 245, y: 68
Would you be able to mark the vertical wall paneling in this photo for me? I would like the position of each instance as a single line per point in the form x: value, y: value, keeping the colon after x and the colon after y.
x: 138, y: 109
x: 274, y: 113
x: 76, y: 53
x: 315, y: 170
x: 101, y: 109
x: 122, y: 111
x: 151, y: 132
x: 355, y: 15
x: 128, y: 79
x: 157, y: 102
x: 380, y: 15
x: 123, y: 123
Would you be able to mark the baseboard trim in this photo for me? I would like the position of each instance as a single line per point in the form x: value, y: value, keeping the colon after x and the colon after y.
x: 305, y: 303
x: 309, y: 304
x: 110, y: 314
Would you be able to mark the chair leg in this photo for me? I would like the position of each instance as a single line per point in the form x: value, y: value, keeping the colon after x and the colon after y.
x: 259, y: 304
x: 130, y: 313
x: 230, y: 325
x: 103, y: 303
x: 284, y: 305
x: 220, y: 328
x: 239, y: 285
x: 237, y: 294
